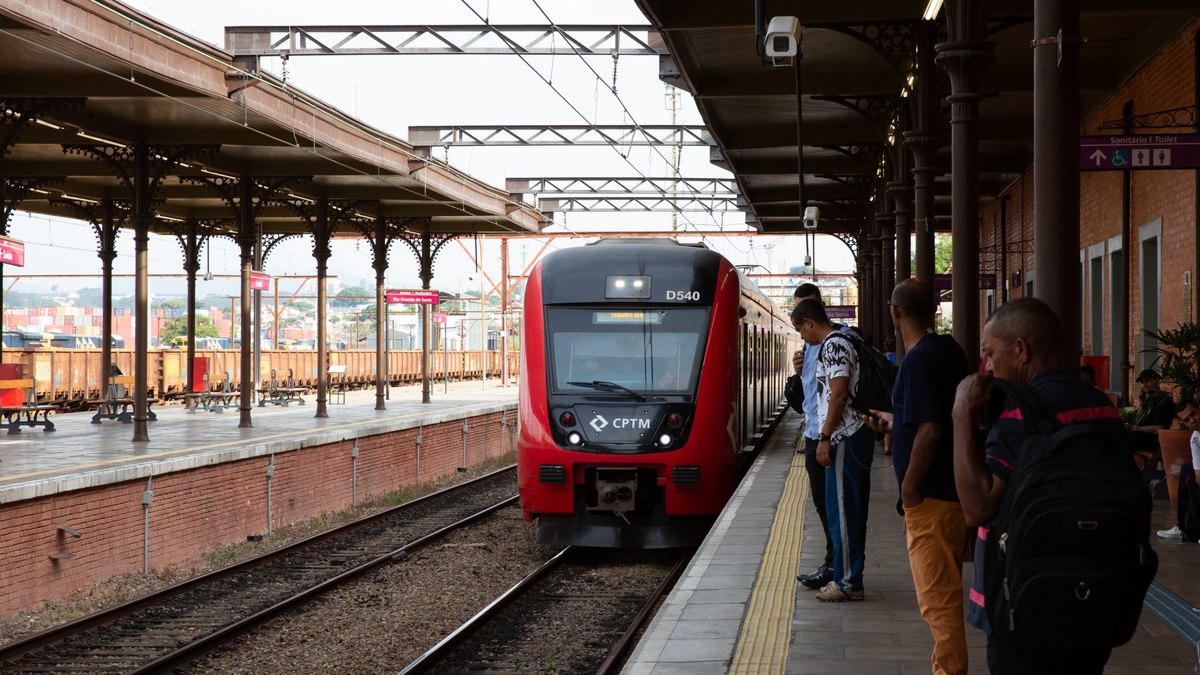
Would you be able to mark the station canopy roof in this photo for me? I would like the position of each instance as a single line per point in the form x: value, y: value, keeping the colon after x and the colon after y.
x: 105, y: 70
x: 861, y: 52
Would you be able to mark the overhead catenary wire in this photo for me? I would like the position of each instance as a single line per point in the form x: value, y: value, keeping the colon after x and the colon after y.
x: 576, y: 110
x: 244, y: 124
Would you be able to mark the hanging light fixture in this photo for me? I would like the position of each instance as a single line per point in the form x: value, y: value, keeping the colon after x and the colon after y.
x: 208, y: 275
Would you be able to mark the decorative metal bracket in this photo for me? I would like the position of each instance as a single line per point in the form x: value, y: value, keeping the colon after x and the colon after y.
x: 121, y: 160
x: 15, y: 190
x: 1175, y: 118
x: 16, y: 114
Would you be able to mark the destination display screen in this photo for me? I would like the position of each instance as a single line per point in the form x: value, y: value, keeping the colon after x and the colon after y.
x: 627, y: 317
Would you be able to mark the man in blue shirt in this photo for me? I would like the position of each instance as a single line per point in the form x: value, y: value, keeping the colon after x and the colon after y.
x: 923, y: 457
x: 805, y: 363
x: 1022, y: 341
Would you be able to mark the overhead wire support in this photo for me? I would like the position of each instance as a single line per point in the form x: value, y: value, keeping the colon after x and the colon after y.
x: 561, y: 134
x: 524, y: 39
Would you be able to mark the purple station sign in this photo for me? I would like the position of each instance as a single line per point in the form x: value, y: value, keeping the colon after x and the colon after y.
x: 942, y: 282
x: 12, y: 252
x: 1140, y: 152
x: 841, y: 312
x: 420, y: 297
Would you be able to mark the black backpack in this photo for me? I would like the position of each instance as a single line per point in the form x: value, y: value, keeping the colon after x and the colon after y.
x: 876, y: 376
x: 1068, y: 558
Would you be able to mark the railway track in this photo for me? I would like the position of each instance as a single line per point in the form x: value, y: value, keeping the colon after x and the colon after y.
x: 181, y: 623
x: 577, y: 613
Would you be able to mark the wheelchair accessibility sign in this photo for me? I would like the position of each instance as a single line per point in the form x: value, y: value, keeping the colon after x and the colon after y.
x: 1150, y: 151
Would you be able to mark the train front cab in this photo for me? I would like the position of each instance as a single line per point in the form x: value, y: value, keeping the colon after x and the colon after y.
x: 599, y: 467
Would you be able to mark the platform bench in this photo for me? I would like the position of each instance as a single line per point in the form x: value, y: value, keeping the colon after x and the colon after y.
x: 280, y: 392
x: 28, y: 414
x: 118, y: 405
x: 214, y: 400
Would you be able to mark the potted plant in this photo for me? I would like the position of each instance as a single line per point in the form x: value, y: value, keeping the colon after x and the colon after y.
x: 1178, y: 363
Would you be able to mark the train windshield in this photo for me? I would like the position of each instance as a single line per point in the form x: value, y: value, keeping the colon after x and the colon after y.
x: 645, y: 350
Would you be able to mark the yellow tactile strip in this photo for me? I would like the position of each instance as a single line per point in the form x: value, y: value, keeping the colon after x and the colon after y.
x: 766, y: 631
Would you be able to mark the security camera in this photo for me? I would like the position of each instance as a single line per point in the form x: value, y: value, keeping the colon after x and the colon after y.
x: 812, y: 218
x: 783, y: 39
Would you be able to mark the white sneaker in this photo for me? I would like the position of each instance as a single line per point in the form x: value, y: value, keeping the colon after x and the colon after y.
x: 1173, y: 533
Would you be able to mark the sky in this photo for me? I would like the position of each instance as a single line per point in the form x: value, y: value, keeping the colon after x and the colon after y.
x: 393, y: 93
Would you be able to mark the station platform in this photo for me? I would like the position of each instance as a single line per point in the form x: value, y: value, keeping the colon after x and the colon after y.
x: 739, y: 609
x: 84, y: 502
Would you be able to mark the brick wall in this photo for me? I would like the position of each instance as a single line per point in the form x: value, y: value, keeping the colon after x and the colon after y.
x: 1165, y: 81
x: 197, y: 511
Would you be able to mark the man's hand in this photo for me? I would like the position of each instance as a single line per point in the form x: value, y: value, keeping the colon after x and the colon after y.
x: 972, y: 395
x: 823, y: 457
x: 910, y: 497
x: 798, y: 360
x: 878, y: 421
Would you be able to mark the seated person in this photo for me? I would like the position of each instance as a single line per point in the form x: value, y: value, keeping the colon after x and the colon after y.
x: 1156, y: 410
x: 1187, y: 507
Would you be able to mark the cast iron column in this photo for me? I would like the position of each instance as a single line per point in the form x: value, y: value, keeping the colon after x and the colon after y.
x: 1055, y: 163
x: 141, y: 240
x: 901, y: 193
x: 426, y: 272
x: 246, y: 241
x: 322, y: 253
x: 923, y: 141
x: 107, y: 231
x: 191, y: 265
x: 963, y: 56
x: 380, y: 264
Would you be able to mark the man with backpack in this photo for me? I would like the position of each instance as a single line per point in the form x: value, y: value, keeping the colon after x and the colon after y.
x: 1062, y: 560
x: 844, y: 447
x: 801, y: 393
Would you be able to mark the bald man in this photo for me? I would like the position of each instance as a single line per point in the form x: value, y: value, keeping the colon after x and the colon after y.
x: 923, y: 458
x: 1022, y: 341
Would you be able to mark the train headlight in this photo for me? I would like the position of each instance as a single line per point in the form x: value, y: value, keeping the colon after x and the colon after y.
x: 665, y: 440
x: 627, y: 287
x: 574, y: 438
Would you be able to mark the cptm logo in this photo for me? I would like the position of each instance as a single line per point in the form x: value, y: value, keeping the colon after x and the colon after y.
x: 599, y: 423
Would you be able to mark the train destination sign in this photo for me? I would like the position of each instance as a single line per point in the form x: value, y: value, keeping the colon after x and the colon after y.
x: 260, y: 281
x: 12, y: 252
x: 421, y: 297
x: 1144, y: 151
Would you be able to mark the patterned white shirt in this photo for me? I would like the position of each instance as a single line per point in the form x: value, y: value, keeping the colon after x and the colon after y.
x: 837, y: 359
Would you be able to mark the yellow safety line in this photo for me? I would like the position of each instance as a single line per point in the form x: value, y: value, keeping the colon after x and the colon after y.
x: 766, y: 632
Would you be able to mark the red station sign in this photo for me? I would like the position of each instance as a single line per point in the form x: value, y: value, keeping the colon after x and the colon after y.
x: 440, y: 318
x: 12, y: 252
x: 260, y: 281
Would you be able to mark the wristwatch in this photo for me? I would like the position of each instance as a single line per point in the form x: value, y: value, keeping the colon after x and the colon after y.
x: 824, y: 437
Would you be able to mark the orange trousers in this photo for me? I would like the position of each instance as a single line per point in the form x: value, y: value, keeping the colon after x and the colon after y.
x: 935, y: 531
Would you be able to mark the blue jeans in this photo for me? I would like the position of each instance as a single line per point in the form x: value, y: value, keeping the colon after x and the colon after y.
x: 847, y: 495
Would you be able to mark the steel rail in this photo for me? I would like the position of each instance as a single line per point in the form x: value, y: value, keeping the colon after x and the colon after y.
x: 448, y: 643
x: 645, y: 614
x: 60, y: 633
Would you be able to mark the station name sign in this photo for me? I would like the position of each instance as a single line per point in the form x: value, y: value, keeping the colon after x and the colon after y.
x: 12, y: 252
x: 1139, y: 152
x: 260, y: 281
x: 841, y: 312
x: 421, y: 297
x: 942, y: 282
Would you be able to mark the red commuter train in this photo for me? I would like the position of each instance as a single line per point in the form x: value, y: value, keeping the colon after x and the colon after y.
x: 649, y: 372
